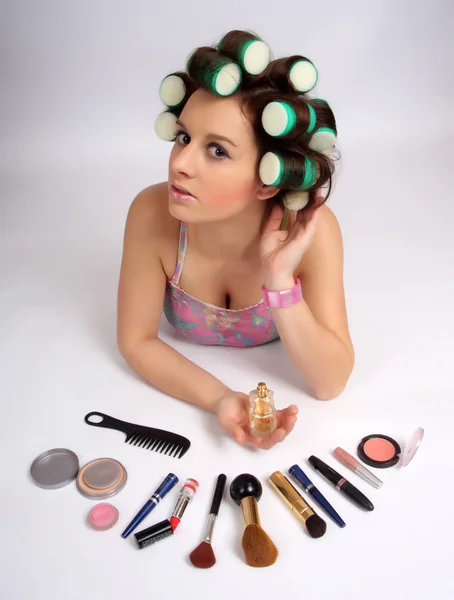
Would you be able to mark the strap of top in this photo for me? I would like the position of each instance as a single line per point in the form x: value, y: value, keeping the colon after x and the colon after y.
x: 182, y: 246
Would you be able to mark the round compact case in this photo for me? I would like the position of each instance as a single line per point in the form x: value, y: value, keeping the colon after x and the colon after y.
x: 382, y: 451
x: 102, y: 516
x: 101, y: 478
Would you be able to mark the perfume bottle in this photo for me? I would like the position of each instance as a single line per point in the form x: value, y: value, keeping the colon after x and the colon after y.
x: 262, y: 410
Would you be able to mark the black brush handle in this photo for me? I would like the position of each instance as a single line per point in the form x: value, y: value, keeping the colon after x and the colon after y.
x: 108, y: 422
x: 218, y: 492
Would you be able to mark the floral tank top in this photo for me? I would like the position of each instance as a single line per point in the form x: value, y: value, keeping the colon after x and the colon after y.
x: 211, y: 325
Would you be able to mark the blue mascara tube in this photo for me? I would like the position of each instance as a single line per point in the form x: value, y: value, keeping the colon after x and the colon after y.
x: 169, y: 482
x: 304, y: 481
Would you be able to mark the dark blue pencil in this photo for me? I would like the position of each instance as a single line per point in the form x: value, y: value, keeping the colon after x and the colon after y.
x: 169, y: 482
x: 304, y: 481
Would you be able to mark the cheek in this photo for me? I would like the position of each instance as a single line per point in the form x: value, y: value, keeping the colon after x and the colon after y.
x: 232, y: 191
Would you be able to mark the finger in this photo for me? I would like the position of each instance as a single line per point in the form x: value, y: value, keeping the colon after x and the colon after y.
x: 318, y: 198
x: 230, y: 423
x: 239, y: 435
x: 288, y: 423
x: 286, y: 413
x: 305, y: 230
x: 274, y: 220
x: 276, y: 437
x: 304, y: 225
x: 292, y: 409
x: 235, y: 431
x: 308, y: 216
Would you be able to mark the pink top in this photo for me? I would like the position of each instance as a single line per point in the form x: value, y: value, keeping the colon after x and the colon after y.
x: 208, y: 324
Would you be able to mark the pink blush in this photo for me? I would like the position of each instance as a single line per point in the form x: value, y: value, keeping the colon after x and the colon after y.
x: 379, y: 449
x: 102, y: 516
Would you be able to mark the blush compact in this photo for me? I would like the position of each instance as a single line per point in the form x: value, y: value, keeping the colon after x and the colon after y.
x: 102, y: 516
x: 382, y: 451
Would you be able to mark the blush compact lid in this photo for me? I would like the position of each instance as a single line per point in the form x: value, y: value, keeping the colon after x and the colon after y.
x: 412, y: 447
x: 382, y: 451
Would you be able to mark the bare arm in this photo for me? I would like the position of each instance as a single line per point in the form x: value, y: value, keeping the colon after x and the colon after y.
x: 314, y: 331
x: 140, y: 302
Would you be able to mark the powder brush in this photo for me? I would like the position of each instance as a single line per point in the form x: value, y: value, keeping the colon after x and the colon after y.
x: 315, y: 525
x: 259, y: 550
x: 203, y: 556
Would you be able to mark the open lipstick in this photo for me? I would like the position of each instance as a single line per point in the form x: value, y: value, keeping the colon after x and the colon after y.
x: 342, y: 485
x: 163, y: 529
x: 350, y: 462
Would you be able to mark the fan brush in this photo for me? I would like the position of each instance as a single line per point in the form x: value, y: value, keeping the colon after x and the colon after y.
x: 203, y: 556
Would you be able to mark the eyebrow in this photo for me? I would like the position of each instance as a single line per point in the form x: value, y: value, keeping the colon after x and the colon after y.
x: 215, y: 136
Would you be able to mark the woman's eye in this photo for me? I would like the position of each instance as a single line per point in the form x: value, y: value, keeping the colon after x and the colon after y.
x: 218, y: 151
x: 182, y: 138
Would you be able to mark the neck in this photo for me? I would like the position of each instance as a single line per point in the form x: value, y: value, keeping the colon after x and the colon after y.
x: 234, y: 238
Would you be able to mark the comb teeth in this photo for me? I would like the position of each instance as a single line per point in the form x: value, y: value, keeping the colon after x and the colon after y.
x: 149, y: 438
x: 148, y: 442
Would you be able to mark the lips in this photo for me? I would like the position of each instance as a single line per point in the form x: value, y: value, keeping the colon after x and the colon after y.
x: 182, y: 190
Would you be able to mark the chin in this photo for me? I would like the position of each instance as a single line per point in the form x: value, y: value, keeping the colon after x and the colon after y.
x: 180, y: 212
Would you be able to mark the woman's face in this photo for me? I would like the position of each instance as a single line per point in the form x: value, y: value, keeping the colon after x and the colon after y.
x: 214, y: 159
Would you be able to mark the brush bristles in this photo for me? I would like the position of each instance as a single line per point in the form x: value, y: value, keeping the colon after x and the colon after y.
x: 258, y: 548
x: 316, y: 526
x: 203, y: 556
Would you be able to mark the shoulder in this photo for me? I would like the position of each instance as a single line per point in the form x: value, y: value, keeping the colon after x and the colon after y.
x: 150, y: 207
x: 328, y: 232
x: 327, y: 243
x: 149, y: 215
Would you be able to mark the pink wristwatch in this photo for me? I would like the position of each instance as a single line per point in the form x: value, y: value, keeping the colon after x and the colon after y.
x: 283, y: 298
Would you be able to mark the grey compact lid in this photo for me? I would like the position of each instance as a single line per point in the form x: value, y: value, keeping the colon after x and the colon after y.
x: 54, y: 468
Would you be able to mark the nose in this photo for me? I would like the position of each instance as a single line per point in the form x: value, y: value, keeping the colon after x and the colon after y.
x: 184, y: 161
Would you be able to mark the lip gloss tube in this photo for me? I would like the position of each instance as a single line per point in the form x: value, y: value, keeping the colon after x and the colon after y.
x: 349, y: 461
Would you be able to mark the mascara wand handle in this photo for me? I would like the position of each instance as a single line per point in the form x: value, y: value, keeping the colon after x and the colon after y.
x: 140, y: 516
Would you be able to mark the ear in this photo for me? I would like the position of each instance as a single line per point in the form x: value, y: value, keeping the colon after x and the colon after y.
x: 264, y: 192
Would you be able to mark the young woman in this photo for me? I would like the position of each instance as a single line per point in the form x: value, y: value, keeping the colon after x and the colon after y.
x: 237, y: 247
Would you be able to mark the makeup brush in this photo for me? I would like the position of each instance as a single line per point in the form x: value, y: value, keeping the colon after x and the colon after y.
x: 203, y: 556
x: 315, y: 525
x: 258, y: 548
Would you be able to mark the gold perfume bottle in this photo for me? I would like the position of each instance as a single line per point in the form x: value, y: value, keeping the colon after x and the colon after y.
x: 262, y: 410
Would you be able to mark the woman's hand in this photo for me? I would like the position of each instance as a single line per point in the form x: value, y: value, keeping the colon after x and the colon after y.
x: 281, y: 251
x: 232, y: 411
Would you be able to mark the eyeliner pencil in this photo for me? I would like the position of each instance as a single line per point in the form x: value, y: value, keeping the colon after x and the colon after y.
x: 298, y: 475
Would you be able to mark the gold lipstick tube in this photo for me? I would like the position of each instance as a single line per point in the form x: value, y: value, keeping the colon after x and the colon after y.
x: 291, y: 496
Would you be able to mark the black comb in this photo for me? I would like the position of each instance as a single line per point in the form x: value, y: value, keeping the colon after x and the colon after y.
x: 158, y: 440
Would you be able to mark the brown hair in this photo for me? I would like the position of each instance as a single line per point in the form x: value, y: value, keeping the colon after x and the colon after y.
x: 255, y: 92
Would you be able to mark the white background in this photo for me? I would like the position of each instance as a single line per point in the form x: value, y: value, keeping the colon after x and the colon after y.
x: 79, y: 96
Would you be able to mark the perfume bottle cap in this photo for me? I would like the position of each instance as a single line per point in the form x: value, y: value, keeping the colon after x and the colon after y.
x: 262, y: 390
